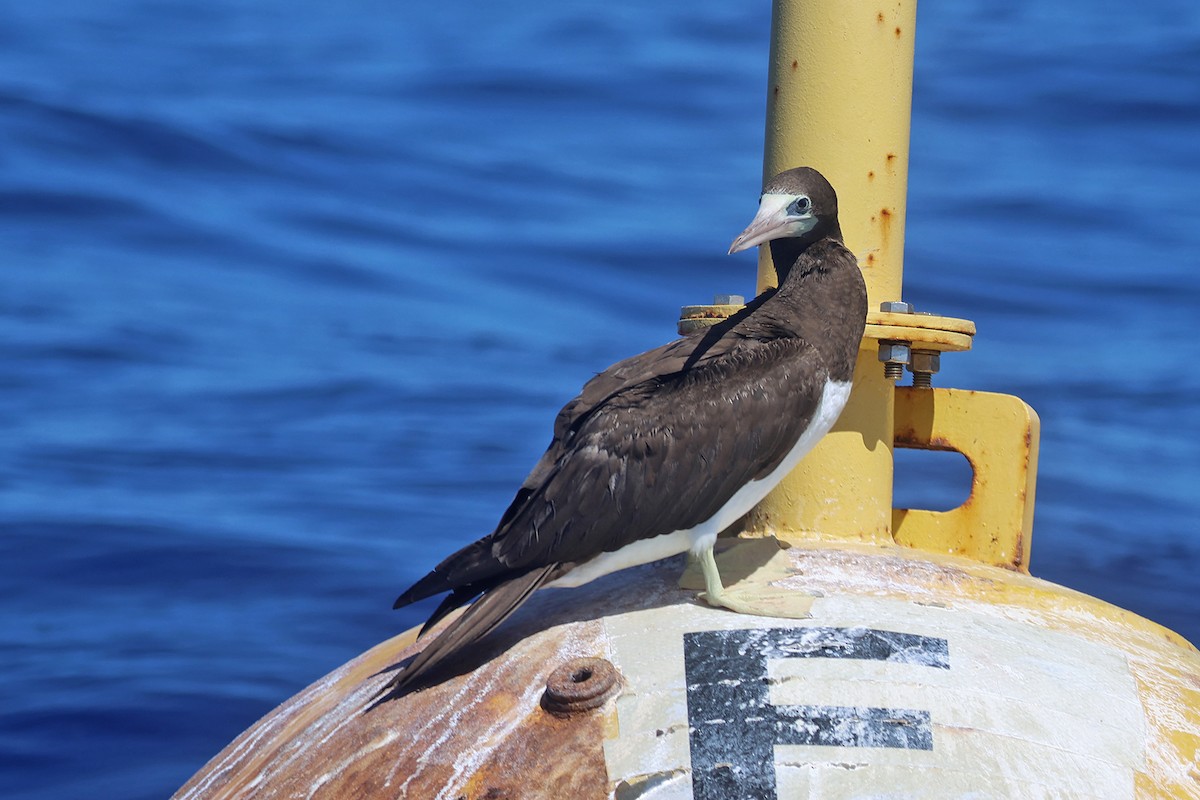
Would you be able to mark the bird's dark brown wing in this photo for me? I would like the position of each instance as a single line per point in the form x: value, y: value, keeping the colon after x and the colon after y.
x: 647, y: 461
x: 640, y: 463
x: 643, y: 463
x: 632, y: 374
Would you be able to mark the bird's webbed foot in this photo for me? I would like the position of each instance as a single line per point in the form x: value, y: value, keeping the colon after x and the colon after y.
x: 755, y: 599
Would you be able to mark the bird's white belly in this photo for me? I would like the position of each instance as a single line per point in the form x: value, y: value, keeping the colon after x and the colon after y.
x: 833, y: 400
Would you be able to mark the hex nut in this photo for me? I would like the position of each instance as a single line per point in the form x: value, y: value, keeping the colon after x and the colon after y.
x: 896, y: 307
x: 929, y: 361
x: 894, y: 352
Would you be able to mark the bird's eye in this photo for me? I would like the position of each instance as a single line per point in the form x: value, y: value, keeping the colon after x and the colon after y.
x: 800, y: 206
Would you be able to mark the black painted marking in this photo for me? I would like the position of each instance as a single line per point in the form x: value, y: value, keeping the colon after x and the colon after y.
x: 734, y: 728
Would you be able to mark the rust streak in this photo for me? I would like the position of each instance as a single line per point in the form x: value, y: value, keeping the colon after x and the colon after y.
x: 480, y: 734
x: 885, y: 225
x: 1018, y: 559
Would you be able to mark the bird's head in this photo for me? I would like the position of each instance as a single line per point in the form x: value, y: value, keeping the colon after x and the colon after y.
x: 798, y: 204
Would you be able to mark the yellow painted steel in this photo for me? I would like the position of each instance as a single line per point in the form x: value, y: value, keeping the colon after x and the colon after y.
x: 839, y: 99
x: 843, y: 487
x: 998, y: 434
x: 850, y: 119
x: 924, y: 331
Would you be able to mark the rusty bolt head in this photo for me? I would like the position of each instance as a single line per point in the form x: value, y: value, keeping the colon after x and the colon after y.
x: 929, y: 361
x: 896, y: 307
x: 579, y: 685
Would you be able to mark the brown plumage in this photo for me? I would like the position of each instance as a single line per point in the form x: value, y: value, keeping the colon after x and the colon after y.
x: 658, y: 448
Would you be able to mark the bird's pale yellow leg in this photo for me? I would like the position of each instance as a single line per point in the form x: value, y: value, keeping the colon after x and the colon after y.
x: 759, y: 602
x: 714, y: 590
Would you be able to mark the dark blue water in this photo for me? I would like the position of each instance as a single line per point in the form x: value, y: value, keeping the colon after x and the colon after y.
x: 290, y: 292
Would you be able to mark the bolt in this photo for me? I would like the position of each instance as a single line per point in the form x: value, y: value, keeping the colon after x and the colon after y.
x: 729, y: 300
x: 896, y: 307
x: 894, y: 356
x: 579, y: 685
x: 923, y: 365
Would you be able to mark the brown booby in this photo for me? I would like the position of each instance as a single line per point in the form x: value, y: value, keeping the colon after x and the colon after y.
x: 663, y: 451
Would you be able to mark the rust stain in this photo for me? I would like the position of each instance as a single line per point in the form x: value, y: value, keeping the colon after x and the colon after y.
x: 870, y: 174
x: 776, y: 91
x: 491, y: 793
x: 479, y: 736
x: 870, y: 259
x: 885, y: 225
x: 898, y: 31
x: 564, y: 754
x: 940, y: 443
x: 709, y: 312
x: 879, y: 17
x: 1018, y: 559
x: 795, y: 63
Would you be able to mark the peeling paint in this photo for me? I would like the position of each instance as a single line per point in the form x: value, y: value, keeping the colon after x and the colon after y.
x: 1043, y: 692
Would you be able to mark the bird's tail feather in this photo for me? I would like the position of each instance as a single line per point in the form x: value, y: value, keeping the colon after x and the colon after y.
x: 433, y: 583
x: 482, y: 617
x: 458, y: 597
x: 463, y: 567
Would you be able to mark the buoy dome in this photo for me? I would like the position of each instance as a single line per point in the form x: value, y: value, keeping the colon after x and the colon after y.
x: 925, y: 674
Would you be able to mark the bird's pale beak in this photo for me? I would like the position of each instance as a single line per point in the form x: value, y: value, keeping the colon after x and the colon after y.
x: 771, y: 222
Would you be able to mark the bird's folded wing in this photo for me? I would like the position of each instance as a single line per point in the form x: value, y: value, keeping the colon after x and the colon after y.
x: 661, y: 456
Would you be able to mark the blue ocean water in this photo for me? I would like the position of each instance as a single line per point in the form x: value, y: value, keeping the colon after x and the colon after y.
x: 291, y: 292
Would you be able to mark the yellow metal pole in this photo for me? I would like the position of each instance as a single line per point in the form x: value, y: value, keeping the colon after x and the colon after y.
x: 839, y: 99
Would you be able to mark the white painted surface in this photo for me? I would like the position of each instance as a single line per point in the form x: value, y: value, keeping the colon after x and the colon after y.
x: 1021, y: 712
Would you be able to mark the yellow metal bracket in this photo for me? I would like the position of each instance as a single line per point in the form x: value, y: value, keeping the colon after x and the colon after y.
x: 998, y: 435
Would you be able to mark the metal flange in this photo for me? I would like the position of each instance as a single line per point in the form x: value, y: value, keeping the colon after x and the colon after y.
x: 919, y: 331
x: 922, y: 331
x: 915, y: 340
x: 694, y: 318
